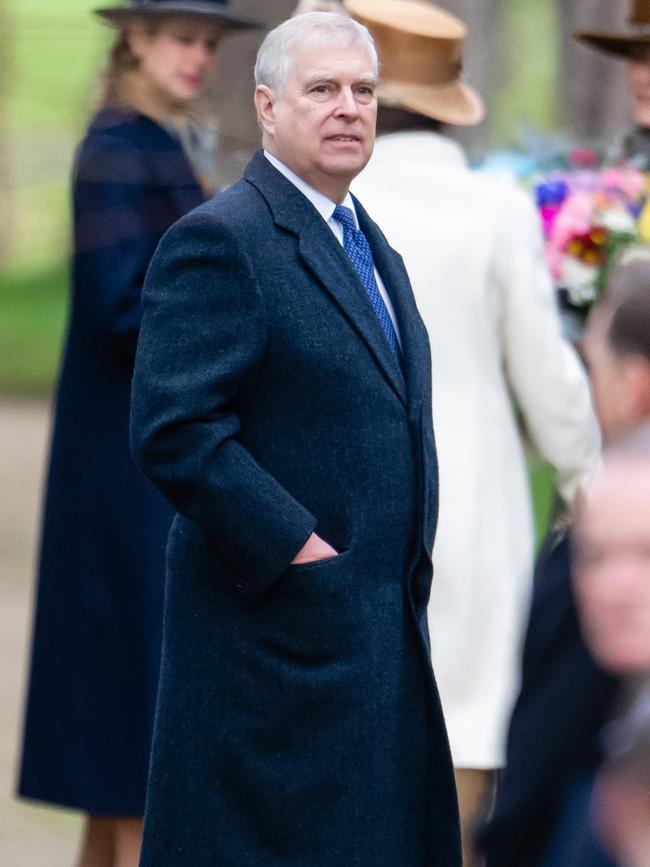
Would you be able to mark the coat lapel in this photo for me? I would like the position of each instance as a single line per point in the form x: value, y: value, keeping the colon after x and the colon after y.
x: 413, y: 333
x: 327, y: 261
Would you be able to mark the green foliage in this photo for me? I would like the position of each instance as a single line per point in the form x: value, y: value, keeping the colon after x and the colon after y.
x: 32, y: 317
x: 615, y: 247
x: 55, y: 53
x: 542, y: 484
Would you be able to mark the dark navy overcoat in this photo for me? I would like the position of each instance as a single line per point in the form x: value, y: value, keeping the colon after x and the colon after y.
x: 96, y: 648
x: 298, y: 720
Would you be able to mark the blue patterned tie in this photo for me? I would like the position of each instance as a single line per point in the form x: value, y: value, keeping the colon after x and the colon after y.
x: 358, y: 250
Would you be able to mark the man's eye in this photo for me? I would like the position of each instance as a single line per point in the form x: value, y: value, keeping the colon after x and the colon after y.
x: 320, y: 88
x: 365, y: 93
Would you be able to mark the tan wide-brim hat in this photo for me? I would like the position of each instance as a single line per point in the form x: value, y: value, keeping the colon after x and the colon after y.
x: 624, y: 45
x: 420, y: 49
x: 212, y: 10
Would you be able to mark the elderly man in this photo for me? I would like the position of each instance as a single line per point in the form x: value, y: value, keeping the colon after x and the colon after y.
x: 282, y: 404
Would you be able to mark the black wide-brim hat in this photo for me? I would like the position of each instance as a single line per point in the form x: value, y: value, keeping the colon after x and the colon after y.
x: 214, y: 10
x: 622, y: 45
x: 625, y: 45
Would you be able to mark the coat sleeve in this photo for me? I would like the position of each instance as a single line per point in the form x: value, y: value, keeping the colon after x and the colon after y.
x: 203, y: 335
x: 544, y: 372
x: 115, y: 237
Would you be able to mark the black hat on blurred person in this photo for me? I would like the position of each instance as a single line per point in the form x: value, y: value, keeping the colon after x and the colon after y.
x: 215, y: 10
x: 624, y: 45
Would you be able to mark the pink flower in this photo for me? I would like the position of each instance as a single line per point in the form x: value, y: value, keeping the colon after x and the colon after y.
x: 630, y: 182
x: 554, y: 258
x: 575, y: 218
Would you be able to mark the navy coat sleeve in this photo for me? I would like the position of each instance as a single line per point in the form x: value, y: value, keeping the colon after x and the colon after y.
x: 116, y: 232
x: 203, y: 335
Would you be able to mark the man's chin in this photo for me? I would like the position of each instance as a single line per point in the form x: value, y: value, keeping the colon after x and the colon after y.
x: 349, y: 166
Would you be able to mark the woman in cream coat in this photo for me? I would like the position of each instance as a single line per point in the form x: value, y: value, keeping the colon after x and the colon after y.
x: 473, y: 251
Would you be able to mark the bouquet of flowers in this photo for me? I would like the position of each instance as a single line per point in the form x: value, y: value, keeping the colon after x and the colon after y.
x: 589, y: 215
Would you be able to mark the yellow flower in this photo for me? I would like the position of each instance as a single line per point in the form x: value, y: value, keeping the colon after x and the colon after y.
x: 598, y: 236
x: 575, y: 247
x: 591, y: 257
x: 644, y: 224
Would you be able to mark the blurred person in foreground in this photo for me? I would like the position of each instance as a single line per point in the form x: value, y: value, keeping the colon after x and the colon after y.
x: 554, y: 746
x: 612, y: 580
x: 633, y: 47
x: 281, y: 401
x: 473, y: 251
x: 143, y: 163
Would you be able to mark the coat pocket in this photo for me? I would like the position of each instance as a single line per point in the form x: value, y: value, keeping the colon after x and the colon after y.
x: 317, y: 565
x: 312, y: 609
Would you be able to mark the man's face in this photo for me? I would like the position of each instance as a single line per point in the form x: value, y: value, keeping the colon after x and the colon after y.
x: 322, y: 126
x: 612, y: 574
x: 639, y: 86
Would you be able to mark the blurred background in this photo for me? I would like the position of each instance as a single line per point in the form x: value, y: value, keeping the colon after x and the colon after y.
x: 540, y: 85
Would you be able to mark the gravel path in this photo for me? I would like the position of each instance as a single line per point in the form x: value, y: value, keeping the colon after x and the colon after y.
x: 30, y: 836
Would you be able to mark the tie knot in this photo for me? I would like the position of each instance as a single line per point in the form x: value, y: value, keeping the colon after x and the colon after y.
x: 344, y: 216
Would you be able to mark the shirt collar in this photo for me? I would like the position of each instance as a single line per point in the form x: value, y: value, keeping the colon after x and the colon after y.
x: 323, y: 205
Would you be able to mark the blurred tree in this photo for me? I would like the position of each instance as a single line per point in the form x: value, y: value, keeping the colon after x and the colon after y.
x: 483, y: 58
x: 594, y: 100
x: 484, y: 61
x: 239, y: 135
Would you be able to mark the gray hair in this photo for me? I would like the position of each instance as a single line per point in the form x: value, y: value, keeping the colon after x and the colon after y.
x: 274, y: 58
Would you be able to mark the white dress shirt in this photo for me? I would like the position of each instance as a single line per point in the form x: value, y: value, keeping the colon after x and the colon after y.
x: 325, y: 208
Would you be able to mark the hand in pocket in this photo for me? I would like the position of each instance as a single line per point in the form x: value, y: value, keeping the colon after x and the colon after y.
x: 313, y: 550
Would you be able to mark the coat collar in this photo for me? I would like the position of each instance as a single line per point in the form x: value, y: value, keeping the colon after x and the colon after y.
x: 326, y: 259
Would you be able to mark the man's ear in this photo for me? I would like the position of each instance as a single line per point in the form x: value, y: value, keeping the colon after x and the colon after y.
x: 265, y: 107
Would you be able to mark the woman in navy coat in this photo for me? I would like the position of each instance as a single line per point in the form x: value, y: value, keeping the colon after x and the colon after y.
x: 97, y: 631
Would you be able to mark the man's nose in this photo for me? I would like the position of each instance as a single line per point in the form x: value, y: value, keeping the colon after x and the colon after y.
x: 347, y: 103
